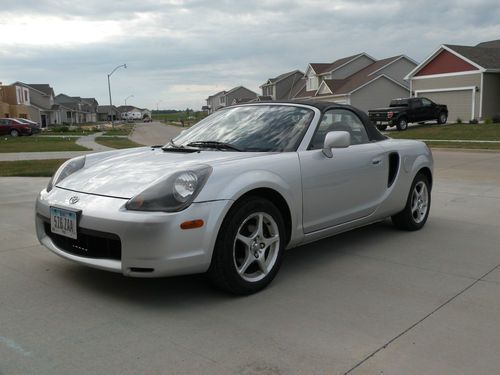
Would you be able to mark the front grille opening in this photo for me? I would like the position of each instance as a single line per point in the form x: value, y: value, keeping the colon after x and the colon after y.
x: 89, y: 244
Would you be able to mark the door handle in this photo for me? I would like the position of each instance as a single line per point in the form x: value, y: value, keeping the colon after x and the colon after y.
x: 376, y: 161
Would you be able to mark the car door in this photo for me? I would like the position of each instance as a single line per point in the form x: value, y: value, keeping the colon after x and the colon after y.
x: 4, y: 129
x: 349, y: 185
x: 417, y: 111
x: 428, y: 109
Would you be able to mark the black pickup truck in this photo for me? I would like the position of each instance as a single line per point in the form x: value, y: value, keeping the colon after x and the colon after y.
x: 403, y: 111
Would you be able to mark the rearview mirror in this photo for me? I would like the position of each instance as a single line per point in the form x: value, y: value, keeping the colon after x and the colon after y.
x: 336, y: 139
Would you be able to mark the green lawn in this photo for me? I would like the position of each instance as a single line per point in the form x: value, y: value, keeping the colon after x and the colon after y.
x: 117, y: 142
x: 38, y: 143
x: 120, y: 130
x: 484, y: 132
x: 30, y: 168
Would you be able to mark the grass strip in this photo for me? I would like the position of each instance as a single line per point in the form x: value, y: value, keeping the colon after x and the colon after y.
x: 117, y: 142
x: 38, y: 144
x: 30, y: 168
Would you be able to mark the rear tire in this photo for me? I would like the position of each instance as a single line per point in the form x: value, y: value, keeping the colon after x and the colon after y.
x: 14, y: 133
x: 249, y: 247
x: 381, y: 127
x: 402, y: 123
x: 443, y: 117
x: 418, y: 204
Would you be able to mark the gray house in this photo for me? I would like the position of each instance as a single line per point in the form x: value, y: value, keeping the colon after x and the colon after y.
x: 104, y: 111
x: 236, y: 95
x: 43, y: 108
x: 358, y: 80
x: 283, y: 87
x: 77, y: 110
x: 465, y: 78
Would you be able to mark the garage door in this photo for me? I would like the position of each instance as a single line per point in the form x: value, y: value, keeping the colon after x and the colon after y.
x: 459, y: 103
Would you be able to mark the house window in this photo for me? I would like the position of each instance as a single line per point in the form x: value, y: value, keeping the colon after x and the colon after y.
x: 26, y: 96
x: 312, y: 83
x: 221, y: 100
x: 68, y: 114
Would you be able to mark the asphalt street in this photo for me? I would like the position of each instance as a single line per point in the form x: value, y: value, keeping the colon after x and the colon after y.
x: 372, y: 301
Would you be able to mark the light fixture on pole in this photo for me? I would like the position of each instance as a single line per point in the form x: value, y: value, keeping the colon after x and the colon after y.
x: 109, y: 90
x: 128, y: 97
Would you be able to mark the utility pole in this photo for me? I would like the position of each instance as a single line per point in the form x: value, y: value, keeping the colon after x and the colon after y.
x: 109, y: 90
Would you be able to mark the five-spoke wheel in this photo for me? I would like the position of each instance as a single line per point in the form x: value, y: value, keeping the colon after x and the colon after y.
x: 418, y: 204
x: 249, y: 247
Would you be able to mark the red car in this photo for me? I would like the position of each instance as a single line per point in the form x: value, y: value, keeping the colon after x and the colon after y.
x: 14, y: 127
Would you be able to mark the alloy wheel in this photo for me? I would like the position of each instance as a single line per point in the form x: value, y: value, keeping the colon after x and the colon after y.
x: 419, y: 202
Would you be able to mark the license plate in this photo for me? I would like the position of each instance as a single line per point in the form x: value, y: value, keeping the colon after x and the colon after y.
x: 63, y: 222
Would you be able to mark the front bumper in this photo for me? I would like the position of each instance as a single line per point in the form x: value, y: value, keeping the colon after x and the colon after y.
x: 152, y: 244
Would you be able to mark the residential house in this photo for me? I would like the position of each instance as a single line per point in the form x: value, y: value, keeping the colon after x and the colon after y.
x: 14, y: 101
x: 236, y: 95
x: 359, y: 80
x: 77, y: 110
x: 105, y: 112
x: 215, y: 101
x: 283, y: 87
x: 465, y: 78
x: 42, y: 108
x: 128, y: 112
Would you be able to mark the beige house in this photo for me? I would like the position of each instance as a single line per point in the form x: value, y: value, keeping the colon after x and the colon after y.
x: 14, y: 101
x: 358, y: 80
x: 465, y: 78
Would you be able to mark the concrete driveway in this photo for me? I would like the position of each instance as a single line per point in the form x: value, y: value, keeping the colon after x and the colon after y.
x: 154, y: 133
x: 373, y: 301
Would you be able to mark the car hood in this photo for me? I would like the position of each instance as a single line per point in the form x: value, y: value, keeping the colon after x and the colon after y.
x: 124, y: 174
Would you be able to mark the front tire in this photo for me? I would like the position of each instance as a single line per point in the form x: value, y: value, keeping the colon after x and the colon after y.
x: 249, y: 247
x: 418, y: 204
x: 14, y: 133
x: 402, y: 124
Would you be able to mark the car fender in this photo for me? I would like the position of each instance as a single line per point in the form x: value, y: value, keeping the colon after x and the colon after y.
x: 232, y: 189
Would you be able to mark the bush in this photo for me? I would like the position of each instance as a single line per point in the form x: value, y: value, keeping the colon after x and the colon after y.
x: 488, y: 120
x: 459, y: 120
x: 473, y: 121
x: 496, y: 118
x: 61, y: 129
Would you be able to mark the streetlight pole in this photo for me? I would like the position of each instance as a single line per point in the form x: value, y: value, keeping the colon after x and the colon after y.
x: 128, y: 97
x: 109, y: 90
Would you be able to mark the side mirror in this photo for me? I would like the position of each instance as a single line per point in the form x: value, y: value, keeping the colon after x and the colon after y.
x: 336, y: 139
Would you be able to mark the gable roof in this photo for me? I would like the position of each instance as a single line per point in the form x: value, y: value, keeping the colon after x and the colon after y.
x: 281, y: 77
x: 322, y: 68
x: 490, y: 44
x: 484, y: 56
x: 43, y: 88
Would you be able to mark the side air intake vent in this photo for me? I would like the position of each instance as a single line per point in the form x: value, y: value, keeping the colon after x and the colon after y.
x: 393, y: 167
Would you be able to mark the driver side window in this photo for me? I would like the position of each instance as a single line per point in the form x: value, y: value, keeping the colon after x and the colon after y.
x: 339, y: 120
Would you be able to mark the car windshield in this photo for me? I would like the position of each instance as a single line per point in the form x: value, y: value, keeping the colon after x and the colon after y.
x: 399, y: 103
x: 277, y: 128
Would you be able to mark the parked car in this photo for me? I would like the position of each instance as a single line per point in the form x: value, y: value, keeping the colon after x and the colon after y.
x: 14, y: 127
x: 148, y: 119
x: 230, y: 194
x: 403, y: 111
x: 35, y: 127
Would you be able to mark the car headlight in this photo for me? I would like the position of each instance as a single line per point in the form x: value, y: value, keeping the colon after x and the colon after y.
x: 69, y: 167
x: 173, y: 193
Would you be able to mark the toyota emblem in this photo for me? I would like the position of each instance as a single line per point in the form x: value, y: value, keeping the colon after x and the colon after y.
x: 74, y: 199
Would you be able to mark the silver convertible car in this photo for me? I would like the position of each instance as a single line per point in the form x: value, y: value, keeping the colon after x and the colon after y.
x: 230, y: 194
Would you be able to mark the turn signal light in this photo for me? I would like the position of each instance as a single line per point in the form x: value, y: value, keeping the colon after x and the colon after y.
x: 192, y: 224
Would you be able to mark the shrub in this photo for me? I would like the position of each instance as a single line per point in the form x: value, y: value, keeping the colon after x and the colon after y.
x: 488, y: 120
x: 473, y: 121
x: 459, y: 120
x: 62, y: 129
x: 496, y: 118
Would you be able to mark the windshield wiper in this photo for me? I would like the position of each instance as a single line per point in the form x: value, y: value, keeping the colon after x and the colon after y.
x: 214, y: 144
x: 172, y: 147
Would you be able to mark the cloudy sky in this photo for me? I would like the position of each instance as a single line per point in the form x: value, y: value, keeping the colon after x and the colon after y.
x: 180, y: 51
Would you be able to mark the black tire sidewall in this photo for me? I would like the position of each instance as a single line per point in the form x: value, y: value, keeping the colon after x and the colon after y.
x: 222, y: 266
x: 402, y: 127
x: 405, y: 218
